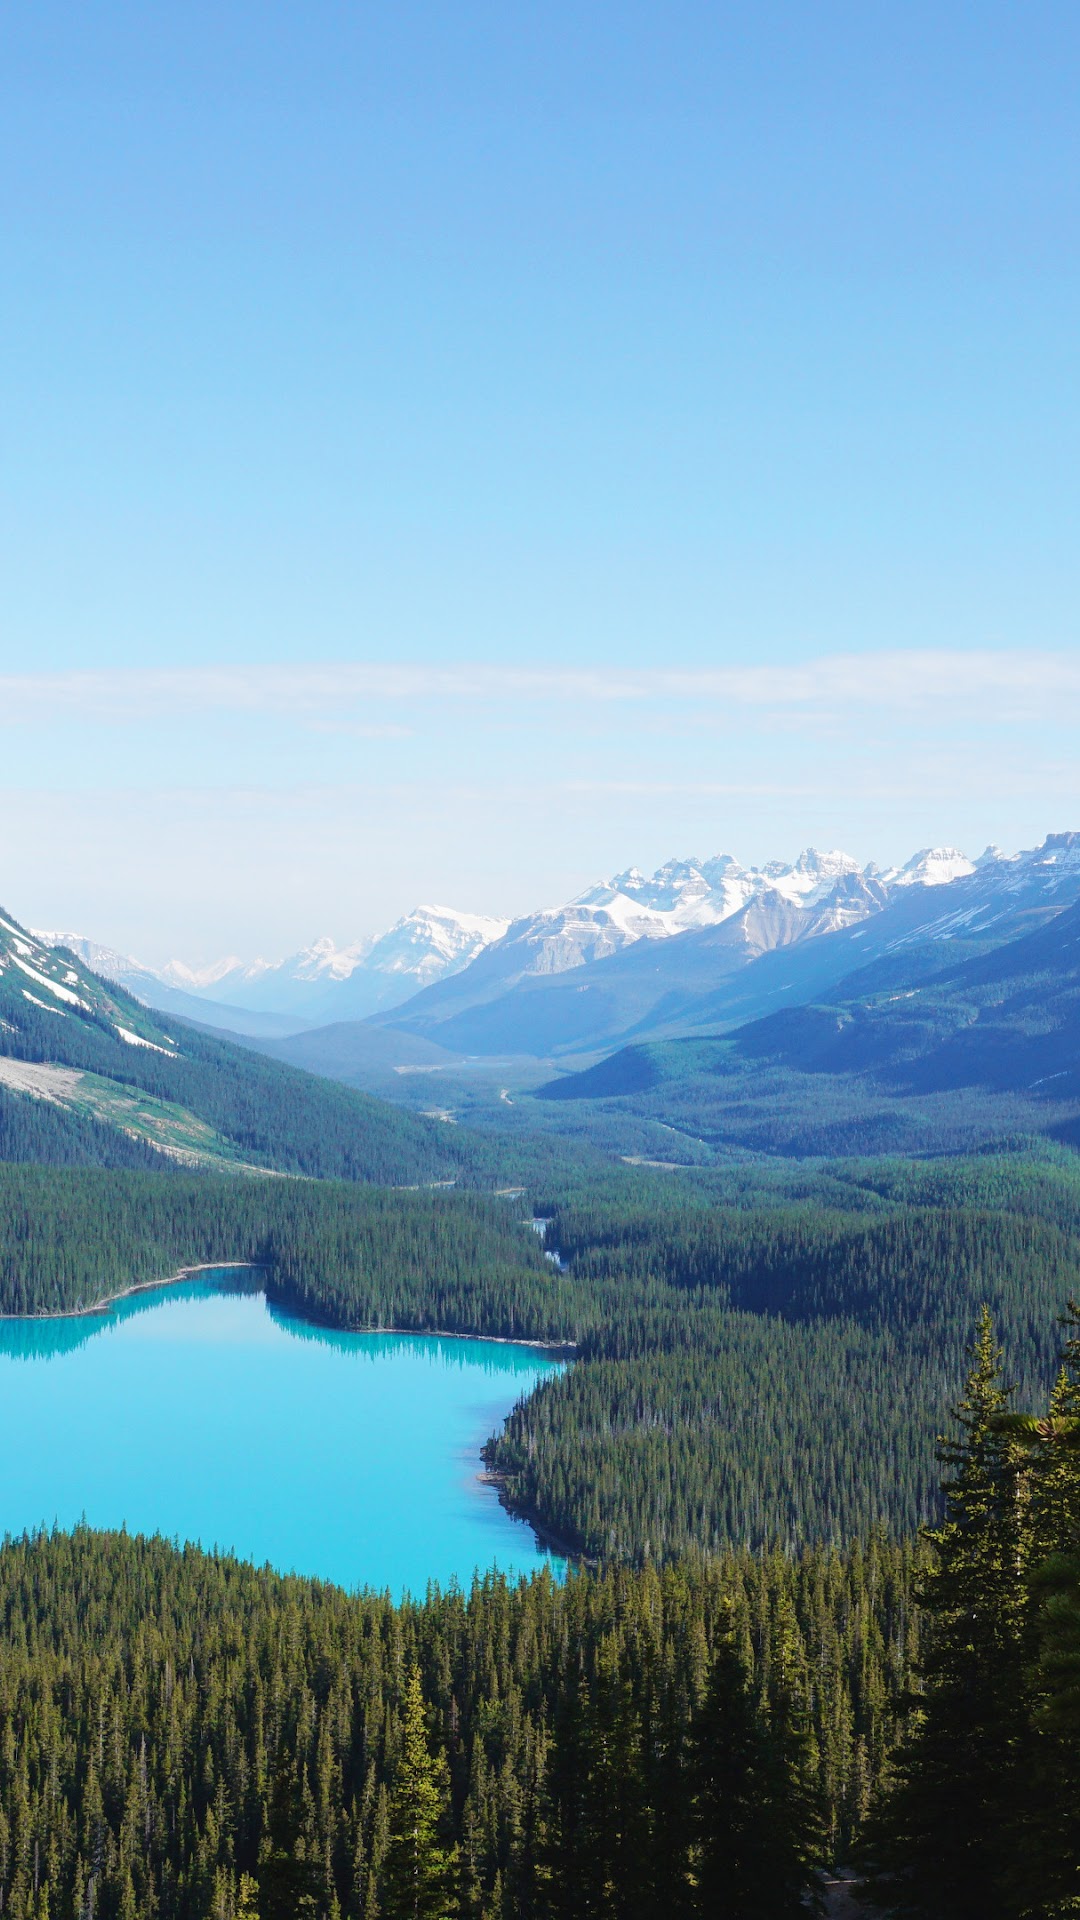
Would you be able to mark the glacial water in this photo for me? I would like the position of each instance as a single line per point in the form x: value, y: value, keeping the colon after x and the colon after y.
x: 200, y: 1412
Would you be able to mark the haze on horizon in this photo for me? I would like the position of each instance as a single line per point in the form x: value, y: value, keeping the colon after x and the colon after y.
x: 455, y: 454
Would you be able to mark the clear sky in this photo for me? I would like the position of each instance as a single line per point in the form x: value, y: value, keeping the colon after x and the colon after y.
x: 452, y: 452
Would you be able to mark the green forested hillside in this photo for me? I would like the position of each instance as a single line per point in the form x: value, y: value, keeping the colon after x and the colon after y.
x: 915, y: 1054
x: 203, y: 1099
x: 783, y: 1375
x: 173, y: 1721
x: 357, y: 1255
x: 44, y: 1134
x: 265, y: 1113
x: 695, y: 1100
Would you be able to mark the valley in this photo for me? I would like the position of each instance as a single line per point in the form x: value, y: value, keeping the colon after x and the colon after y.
x: 774, y: 1207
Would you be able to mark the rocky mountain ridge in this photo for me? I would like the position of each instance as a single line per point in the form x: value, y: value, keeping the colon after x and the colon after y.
x: 433, y: 945
x: 778, y: 948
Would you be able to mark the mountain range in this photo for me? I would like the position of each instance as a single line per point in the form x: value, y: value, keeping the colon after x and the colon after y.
x: 935, y: 1004
x: 319, y: 983
x: 433, y: 945
x: 511, y: 1000
x: 939, y: 1026
x: 91, y: 1076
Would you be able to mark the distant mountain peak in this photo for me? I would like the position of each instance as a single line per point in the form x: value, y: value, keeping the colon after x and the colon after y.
x: 200, y: 979
x: 834, y: 861
x: 1058, y: 843
x: 932, y: 867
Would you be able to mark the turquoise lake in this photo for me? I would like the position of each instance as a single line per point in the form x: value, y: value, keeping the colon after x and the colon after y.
x: 200, y: 1412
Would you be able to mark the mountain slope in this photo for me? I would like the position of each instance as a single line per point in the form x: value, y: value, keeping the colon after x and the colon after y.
x: 328, y: 982
x: 356, y: 1047
x: 1008, y: 1019
x: 90, y: 1053
x: 775, y: 950
x: 149, y: 987
x: 933, y: 1044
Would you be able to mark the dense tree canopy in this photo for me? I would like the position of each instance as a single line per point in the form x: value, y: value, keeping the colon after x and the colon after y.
x: 173, y: 1722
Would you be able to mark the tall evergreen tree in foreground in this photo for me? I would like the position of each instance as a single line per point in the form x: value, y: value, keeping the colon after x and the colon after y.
x: 1045, y: 1883
x: 1047, y: 1868
x: 961, y: 1771
x: 984, y: 1819
x: 419, y: 1871
x: 752, y: 1825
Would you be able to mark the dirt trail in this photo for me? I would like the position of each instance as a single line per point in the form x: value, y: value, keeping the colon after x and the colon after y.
x: 842, y: 1901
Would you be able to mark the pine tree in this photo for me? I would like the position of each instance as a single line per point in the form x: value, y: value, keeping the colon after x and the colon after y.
x: 247, y: 1903
x: 748, y: 1856
x: 288, y: 1882
x: 597, y: 1843
x: 419, y: 1871
x: 1046, y: 1880
x: 951, y: 1821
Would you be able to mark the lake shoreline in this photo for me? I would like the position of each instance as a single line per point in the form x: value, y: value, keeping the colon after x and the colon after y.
x: 140, y: 1286
x: 546, y: 1537
x: 235, y: 1345
x: 565, y: 1348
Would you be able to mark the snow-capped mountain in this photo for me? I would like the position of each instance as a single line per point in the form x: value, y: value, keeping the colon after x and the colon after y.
x: 467, y: 957
x: 785, y: 945
x: 119, y: 967
x: 432, y: 942
x: 268, y: 983
x: 158, y: 991
x: 320, y: 982
x: 346, y: 983
x: 936, y: 867
x: 701, y: 893
x: 827, y: 890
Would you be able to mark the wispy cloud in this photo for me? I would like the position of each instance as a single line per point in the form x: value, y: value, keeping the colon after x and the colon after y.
x: 1008, y: 684
x: 361, y: 729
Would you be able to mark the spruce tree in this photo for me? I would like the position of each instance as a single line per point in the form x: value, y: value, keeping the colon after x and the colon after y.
x: 1047, y: 1871
x: 419, y: 1871
x: 597, y: 1845
x: 289, y: 1883
x: 247, y: 1899
x: 952, y: 1819
x: 748, y: 1856
x: 1046, y: 1878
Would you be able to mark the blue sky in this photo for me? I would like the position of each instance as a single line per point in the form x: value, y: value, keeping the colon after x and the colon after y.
x: 685, y: 396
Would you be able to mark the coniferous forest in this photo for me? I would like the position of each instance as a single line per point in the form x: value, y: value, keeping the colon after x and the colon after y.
x: 783, y: 1645
x: 184, y: 1735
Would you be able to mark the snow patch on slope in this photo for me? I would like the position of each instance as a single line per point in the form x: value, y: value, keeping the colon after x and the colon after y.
x: 136, y: 1040
x: 54, y: 986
